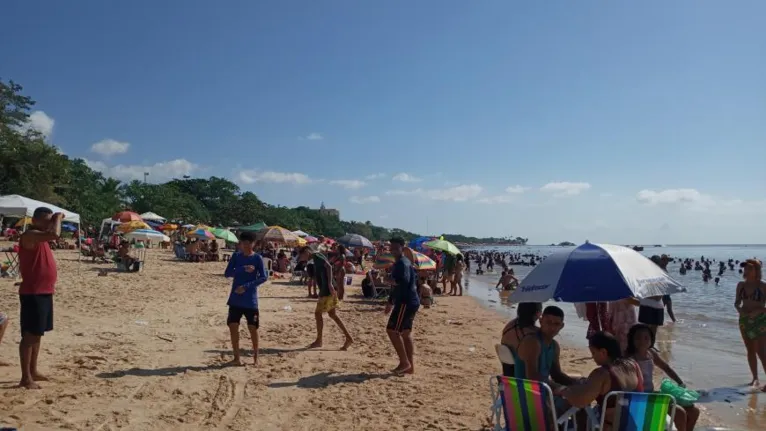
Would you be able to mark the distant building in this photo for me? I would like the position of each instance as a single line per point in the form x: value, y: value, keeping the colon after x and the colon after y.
x: 328, y: 211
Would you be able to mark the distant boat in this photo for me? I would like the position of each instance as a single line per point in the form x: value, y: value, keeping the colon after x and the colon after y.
x: 638, y: 248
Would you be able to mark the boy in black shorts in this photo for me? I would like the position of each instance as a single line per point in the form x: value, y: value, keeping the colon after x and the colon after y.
x: 249, y: 272
x: 403, y: 304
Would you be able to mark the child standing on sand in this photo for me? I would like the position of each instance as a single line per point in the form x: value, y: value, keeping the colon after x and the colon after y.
x: 249, y: 272
x: 640, y: 342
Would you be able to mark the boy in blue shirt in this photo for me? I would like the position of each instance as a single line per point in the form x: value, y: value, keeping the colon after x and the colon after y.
x: 249, y: 272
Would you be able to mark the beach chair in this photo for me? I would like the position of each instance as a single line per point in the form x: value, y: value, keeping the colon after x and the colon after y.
x: 645, y: 411
x: 526, y: 405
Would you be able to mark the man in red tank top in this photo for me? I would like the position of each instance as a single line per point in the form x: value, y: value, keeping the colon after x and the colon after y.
x: 38, y: 273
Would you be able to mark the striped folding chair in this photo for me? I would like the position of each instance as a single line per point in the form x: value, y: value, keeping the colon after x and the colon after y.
x: 526, y: 405
x: 639, y: 411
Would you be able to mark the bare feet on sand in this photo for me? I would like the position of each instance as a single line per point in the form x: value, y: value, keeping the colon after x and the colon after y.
x: 233, y: 363
x: 39, y: 377
x: 315, y: 344
x: 347, y: 344
x: 754, y: 383
x: 29, y: 384
x: 403, y: 369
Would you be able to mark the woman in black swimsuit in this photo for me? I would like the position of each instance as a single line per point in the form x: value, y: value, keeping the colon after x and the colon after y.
x: 527, y: 314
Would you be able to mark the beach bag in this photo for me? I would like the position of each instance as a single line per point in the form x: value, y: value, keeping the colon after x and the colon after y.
x: 684, y: 397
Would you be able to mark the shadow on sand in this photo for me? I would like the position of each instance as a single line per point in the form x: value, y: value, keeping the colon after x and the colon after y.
x: 263, y: 351
x: 322, y: 380
x: 157, y: 372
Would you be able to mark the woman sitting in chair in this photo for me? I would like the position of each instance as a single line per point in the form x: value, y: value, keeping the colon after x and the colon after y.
x: 527, y: 315
x: 614, y: 373
x: 212, y: 253
x: 282, y: 262
x: 124, y: 255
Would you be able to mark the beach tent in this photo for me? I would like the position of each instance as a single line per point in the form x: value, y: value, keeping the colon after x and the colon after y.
x: 20, y: 206
x: 152, y: 216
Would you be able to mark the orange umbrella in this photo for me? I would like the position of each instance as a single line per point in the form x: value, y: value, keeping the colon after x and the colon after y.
x: 126, y: 216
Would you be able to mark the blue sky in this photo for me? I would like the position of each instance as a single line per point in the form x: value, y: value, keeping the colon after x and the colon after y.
x: 640, y: 122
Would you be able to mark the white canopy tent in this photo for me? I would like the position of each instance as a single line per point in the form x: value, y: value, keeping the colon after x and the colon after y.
x: 152, y: 216
x: 300, y: 233
x: 20, y: 206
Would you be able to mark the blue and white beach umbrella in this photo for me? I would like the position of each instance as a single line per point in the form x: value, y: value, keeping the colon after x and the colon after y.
x: 146, y: 235
x: 595, y: 273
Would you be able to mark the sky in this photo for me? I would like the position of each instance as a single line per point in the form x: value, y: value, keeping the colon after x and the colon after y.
x: 618, y: 122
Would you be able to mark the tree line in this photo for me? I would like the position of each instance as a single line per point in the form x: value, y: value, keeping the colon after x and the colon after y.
x: 34, y: 168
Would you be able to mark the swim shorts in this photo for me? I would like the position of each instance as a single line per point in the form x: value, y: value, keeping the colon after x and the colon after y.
x: 36, y: 314
x: 325, y: 304
x: 402, y: 317
x: 651, y: 316
x: 251, y: 315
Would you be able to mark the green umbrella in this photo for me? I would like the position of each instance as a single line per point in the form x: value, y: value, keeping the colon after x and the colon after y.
x: 225, y: 235
x: 253, y: 227
x: 443, y: 245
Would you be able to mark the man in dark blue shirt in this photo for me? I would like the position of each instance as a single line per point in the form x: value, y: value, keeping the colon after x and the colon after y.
x: 403, y: 304
x: 249, y: 272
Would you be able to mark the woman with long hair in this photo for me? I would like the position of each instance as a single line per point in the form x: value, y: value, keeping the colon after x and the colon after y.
x: 614, y: 373
x: 527, y: 315
x: 750, y: 303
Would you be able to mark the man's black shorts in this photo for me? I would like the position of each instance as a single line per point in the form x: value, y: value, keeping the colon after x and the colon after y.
x: 402, y: 317
x: 251, y: 315
x: 36, y: 314
x: 651, y: 316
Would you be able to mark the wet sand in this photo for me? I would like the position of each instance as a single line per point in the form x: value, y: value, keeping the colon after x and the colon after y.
x: 147, y: 351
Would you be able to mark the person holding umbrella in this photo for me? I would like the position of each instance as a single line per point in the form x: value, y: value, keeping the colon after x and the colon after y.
x: 403, y: 304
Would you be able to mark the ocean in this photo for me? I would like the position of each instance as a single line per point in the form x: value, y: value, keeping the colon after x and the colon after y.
x: 704, y: 345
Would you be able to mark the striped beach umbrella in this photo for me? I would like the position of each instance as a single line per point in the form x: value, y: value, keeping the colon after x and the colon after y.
x: 277, y: 234
x: 421, y: 263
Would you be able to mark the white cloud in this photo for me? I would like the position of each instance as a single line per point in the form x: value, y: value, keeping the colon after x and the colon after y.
x: 672, y: 196
x: 374, y: 176
x: 250, y: 176
x: 406, y: 178
x: 314, y: 136
x: 459, y: 193
x: 349, y: 184
x: 161, y: 171
x: 364, y: 199
x: 565, y: 188
x: 110, y: 147
x: 497, y: 199
x: 40, y: 122
x: 515, y: 189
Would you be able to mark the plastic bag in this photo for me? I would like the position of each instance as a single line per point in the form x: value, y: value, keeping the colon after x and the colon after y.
x: 684, y: 397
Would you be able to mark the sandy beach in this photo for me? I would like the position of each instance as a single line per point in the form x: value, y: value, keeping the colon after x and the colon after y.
x: 147, y: 351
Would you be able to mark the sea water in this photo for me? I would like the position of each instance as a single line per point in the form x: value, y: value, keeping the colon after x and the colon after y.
x: 704, y: 345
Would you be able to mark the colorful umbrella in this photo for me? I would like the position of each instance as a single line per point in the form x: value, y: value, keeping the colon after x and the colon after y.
x: 300, y: 233
x: 302, y: 241
x: 200, y: 233
x: 225, y: 234
x: 187, y: 226
x: 277, y: 234
x: 169, y: 226
x: 126, y: 216
x: 443, y: 245
x: 132, y: 225
x: 311, y: 239
x: 422, y: 262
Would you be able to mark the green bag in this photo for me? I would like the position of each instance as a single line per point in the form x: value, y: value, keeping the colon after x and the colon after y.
x: 684, y: 397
